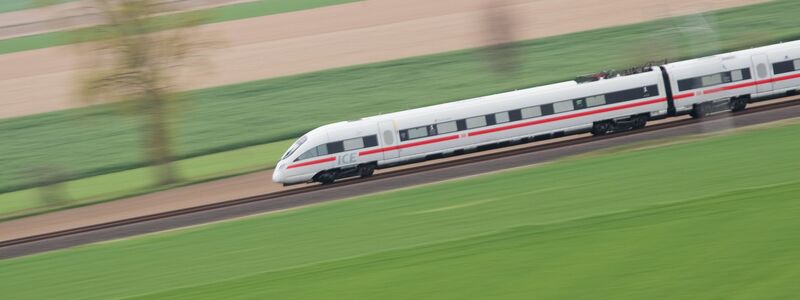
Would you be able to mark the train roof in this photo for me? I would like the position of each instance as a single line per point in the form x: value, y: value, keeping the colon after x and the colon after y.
x: 461, y: 103
x: 731, y: 55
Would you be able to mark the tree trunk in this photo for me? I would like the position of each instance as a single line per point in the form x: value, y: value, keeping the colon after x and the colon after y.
x: 159, y: 142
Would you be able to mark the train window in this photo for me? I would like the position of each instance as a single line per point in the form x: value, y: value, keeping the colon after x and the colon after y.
x: 490, y: 120
x: 295, y: 146
x: 726, y: 77
x: 746, y: 74
x: 736, y: 75
x: 447, y: 127
x: 689, y: 84
x: 370, y: 141
x: 547, y: 109
x: 419, y: 132
x: 515, y: 115
x: 353, y: 144
x: 461, y: 124
x: 710, y: 80
x: 335, y: 147
x: 783, y: 67
x: 322, y: 150
x: 531, y: 112
x: 595, y: 100
x: 476, y: 122
x: 797, y: 64
x: 579, y: 103
x: 432, y: 130
x: 308, y: 154
x: 501, y: 118
x: 563, y: 106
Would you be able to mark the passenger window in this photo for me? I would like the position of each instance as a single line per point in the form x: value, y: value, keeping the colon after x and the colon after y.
x: 726, y: 77
x: 531, y: 112
x: 580, y: 103
x: 415, y: 133
x: 746, y: 74
x: 736, y: 75
x: 446, y: 127
x: 476, y: 122
x: 335, y: 147
x: 432, y: 130
x: 309, y: 154
x: 322, y: 150
x: 797, y: 64
x: 547, y: 109
x: 688, y: 84
x: 353, y: 144
x: 515, y: 115
x: 595, y: 100
x: 370, y: 141
x: 711, y: 80
x: 563, y: 106
x: 502, y: 117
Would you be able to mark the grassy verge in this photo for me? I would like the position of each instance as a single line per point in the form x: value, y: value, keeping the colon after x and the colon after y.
x: 93, y: 141
x: 714, y: 218
x: 255, y: 8
x: 140, y: 181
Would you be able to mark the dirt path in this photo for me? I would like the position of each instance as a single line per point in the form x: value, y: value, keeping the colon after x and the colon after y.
x: 362, y: 32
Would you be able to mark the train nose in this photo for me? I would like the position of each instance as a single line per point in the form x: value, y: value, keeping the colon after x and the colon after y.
x: 277, y: 176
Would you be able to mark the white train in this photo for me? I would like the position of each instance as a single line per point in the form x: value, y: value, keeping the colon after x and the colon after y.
x: 698, y: 87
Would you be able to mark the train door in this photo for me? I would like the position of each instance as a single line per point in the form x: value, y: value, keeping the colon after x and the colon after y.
x: 762, y: 73
x: 389, y: 138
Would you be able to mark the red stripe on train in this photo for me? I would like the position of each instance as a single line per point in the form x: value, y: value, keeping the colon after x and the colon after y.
x: 312, y: 162
x: 414, y: 144
x: 682, y: 96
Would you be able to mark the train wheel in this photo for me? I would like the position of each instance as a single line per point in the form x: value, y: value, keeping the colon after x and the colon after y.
x: 602, y: 128
x: 639, y: 121
x: 366, y: 170
x: 326, y: 177
x: 700, y: 110
x: 738, y: 104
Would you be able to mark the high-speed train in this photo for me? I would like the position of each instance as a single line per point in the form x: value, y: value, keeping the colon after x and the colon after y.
x: 698, y: 87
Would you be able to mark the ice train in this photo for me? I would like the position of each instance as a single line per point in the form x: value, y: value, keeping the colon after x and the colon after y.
x: 698, y: 87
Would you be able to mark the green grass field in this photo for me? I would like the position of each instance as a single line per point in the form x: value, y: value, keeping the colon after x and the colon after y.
x: 709, y: 219
x: 255, y: 8
x: 14, y: 5
x: 93, y: 141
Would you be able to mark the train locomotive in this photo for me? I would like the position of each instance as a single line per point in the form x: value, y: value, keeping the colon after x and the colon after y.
x: 698, y: 87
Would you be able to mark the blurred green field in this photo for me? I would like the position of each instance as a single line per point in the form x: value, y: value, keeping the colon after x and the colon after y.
x: 14, y: 5
x: 714, y: 218
x: 254, y: 8
x: 139, y: 181
x: 93, y: 141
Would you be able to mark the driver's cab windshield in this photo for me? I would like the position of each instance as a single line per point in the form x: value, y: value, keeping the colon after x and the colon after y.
x: 294, y: 147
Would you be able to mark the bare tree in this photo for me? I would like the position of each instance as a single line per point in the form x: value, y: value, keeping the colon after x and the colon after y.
x: 130, y: 62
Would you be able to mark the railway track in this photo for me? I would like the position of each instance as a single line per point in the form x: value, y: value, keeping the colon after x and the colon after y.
x: 242, y: 202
